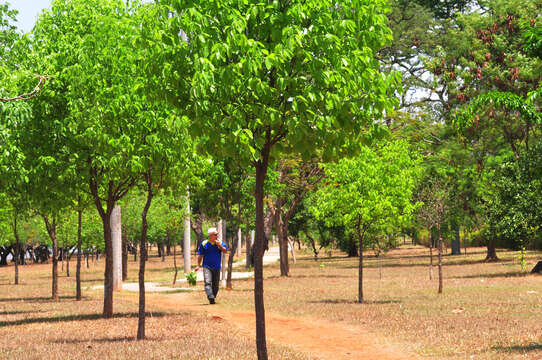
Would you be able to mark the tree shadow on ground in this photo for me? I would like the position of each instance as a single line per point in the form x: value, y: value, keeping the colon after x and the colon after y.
x: 372, y: 263
x: 98, y: 280
x: 519, y: 348
x: 36, y: 299
x: 102, y: 340
x: 494, y: 275
x: 80, y: 317
x: 16, y: 312
x: 313, y: 276
x: 350, y: 301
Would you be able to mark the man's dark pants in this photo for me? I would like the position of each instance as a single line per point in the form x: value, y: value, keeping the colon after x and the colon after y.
x: 212, y: 280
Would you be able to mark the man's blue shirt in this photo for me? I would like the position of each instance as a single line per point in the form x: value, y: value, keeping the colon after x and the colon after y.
x: 212, y: 256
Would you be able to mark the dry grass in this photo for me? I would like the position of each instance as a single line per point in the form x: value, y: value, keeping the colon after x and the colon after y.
x: 487, y: 311
x: 33, y: 327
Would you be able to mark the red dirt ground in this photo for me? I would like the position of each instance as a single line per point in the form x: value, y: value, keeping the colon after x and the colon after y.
x: 316, y: 338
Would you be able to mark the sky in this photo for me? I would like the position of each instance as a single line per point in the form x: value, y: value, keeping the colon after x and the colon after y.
x: 28, y: 11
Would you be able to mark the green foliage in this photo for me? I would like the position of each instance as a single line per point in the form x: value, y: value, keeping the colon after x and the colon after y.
x: 413, y: 28
x: 191, y: 277
x: 109, y: 128
x: 8, y: 34
x: 165, y: 215
x: 484, y: 52
x: 372, y: 191
x: 521, y: 258
x: 295, y: 76
x: 532, y: 36
x: 444, y: 9
x: 507, y: 101
x: 512, y: 194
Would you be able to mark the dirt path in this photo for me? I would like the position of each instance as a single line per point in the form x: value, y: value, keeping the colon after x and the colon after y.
x: 319, y: 339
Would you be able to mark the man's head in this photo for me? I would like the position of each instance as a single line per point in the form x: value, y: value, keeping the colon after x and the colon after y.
x: 212, y: 233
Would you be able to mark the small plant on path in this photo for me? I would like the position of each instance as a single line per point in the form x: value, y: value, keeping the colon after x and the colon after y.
x: 191, y: 278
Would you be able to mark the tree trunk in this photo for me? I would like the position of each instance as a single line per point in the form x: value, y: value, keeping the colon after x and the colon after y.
x: 313, y: 245
x: 22, y: 253
x: 292, y: 248
x: 197, y: 226
x: 174, y: 260
x: 249, y: 252
x: 491, y: 251
x: 160, y: 248
x: 187, y: 243
x: 232, y: 253
x: 16, y: 252
x: 259, y: 248
x: 268, y: 228
x: 352, y: 248
x: 360, y: 265
x: 456, y: 242
x: 54, y: 292
x: 78, y: 268
x: 222, y: 236
x: 68, y: 263
x: 439, y: 260
x: 430, y: 234
x: 124, y: 255
x: 142, y: 243
x: 283, y: 242
x: 51, y: 230
x: 108, y: 274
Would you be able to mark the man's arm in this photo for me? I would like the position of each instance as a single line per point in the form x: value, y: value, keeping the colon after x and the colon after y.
x: 200, y: 260
x: 221, y: 247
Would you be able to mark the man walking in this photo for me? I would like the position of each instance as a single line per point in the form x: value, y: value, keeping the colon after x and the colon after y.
x: 210, y: 253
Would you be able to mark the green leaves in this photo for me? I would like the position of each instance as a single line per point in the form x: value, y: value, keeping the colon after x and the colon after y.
x: 497, y: 100
x: 285, y: 70
x: 374, y: 188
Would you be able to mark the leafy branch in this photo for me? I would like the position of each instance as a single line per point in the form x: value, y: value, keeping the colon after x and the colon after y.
x: 499, y: 99
x: 31, y: 94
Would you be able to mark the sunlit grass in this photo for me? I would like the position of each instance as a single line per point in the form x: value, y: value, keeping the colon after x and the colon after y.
x: 33, y: 327
x: 487, y: 311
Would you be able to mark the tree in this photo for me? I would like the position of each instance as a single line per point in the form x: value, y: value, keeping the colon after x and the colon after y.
x: 444, y: 9
x: 485, y: 53
x: 96, y: 51
x: 435, y: 197
x: 298, y: 177
x: 280, y: 78
x: 415, y: 36
x: 368, y: 193
x: 15, y: 176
